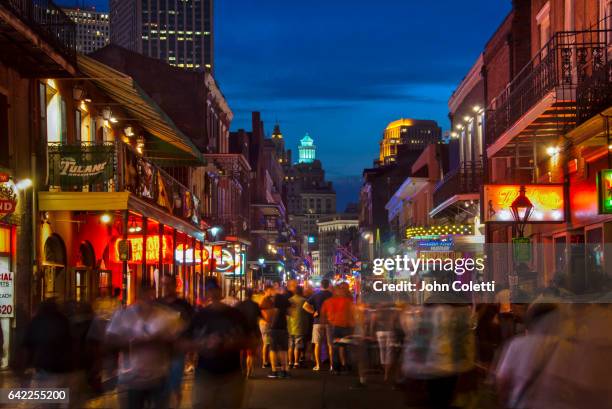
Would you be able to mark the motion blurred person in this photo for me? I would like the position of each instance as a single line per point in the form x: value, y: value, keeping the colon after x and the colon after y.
x: 217, y: 333
x: 47, y: 347
x: 297, y: 325
x: 252, y: 313
x: 279, y: 336
x: 338, y: 313
x: 144, y: 333
x: 267, y: 314
x: 319, y: 330
x: 385, y: 321
x: 171, y: 300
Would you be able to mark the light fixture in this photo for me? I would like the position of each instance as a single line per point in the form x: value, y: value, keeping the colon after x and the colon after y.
x: 23, y: 184
x: 214, y: 231
x: 78, y: 93
x: 476, y: 108
x: 107, y: 114
x: 467, y: 118
x: 454, y: 134
x: 129, y: 131
x: 113, y: 119
x: 459, y: 126
x: 105, y: 218
x: 261, y: 261
x: 552, y: 150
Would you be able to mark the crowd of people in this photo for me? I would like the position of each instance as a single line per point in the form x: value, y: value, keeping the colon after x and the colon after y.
x: 445, y: 353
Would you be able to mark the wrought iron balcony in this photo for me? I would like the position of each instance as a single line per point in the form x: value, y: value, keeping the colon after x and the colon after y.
x: 115, y: 167
x: 466, y: 178
x: 559, y: 68
x: 594, y: 94
x: 49, y: 21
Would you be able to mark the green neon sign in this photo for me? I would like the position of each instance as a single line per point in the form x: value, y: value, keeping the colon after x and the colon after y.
x: 604, y: 191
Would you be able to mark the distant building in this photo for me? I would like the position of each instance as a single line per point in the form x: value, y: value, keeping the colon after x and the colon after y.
x: 178, y: 32
x: 338, y: 239
x: 93, y: 28
x: 307, y: 150
x: 411, y: 134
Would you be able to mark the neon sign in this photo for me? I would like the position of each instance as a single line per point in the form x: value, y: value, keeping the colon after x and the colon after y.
x: 604, y: 191
x: 201, y: 255
x: 152, y: 249
x: 548, y: 202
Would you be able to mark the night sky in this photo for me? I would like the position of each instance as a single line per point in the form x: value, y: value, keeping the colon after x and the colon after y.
x: 342, y: 69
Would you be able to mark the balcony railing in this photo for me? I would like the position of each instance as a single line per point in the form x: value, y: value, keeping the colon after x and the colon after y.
x: 594, y: 95
x: 115, y: 167
x: 49, y: 21
x: 561, y: 65
x: 466, y: 178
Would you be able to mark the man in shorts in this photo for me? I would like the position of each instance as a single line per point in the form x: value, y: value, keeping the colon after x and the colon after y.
x: 279, y: 337
x: 267, y: 312
x: 319, y: 330
x: 297, y: 325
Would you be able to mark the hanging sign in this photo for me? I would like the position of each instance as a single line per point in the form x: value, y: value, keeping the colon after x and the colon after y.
x: 8, y: 195
x: 79, y: 165
x: 604, y: 191
x: 548, y: 202
x: 521, y: 249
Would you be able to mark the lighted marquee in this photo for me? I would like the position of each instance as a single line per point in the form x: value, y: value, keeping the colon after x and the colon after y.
x: 152, y: 249
x: 548, y: 202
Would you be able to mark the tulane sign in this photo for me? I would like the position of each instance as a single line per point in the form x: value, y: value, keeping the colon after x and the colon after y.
x: 80, y: 165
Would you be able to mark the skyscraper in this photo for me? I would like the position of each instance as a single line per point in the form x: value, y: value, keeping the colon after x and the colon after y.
x: 410, y: 134
x: 179, y: 32
x: 92, y: 28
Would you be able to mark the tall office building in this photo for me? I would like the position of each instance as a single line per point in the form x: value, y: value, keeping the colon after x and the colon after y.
x: 410, y: 134
x: 179, y: 32
x: 307, y: 150
x: 93, y: 28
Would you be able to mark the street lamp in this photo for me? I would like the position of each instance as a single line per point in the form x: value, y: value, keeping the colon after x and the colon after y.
x: 214, y: 231
x: 521, y: 209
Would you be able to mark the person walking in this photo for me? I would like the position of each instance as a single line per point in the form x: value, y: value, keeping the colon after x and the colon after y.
x: 297, y: 325
x: 267, y: 314
x: 144, y: 333
x: 171, y: 300
x: 338, y: 313
x: 319, y: 330
x: 217, y: 333
x: 252, y: 313
x: 279, y: 336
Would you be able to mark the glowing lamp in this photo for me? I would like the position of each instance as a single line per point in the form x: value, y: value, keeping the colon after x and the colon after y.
x: 521, y: 209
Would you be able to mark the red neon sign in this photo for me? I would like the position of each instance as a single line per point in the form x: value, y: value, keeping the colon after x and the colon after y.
x: 152, y: 249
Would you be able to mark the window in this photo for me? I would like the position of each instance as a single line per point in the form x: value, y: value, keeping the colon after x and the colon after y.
x: 4, y: 134
x: 544, y: 33
x: 605, y: 16
x: 78, y: 124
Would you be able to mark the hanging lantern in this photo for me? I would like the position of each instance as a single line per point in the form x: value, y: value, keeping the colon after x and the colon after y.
x: 521, y: 209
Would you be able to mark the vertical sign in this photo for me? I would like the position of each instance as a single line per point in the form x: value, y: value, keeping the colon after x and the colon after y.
x: 604, y: 191
x: 6, y: 294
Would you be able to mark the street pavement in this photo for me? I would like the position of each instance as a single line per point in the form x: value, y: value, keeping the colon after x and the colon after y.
x: 305, y: 389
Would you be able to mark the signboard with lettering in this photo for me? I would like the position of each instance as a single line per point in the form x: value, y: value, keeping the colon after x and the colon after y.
x: 7, y: 310
x: 80, y: 165
x: 8, y: 195
x: 521, y: 249
x: 548, y: 202
x: 604, y: 191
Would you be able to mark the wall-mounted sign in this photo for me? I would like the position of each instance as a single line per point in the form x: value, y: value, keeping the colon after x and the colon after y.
x: 604, y: 191
x: 152, y: 249
x: 548, y: 202
x: 79, y: 165
x: 522, y: 249
x: 201, y: 255
x: 8, y: 195
x: 6, y: 293
x: 124, y: 250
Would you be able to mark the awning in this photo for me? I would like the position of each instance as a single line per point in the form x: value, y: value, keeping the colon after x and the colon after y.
x: 111, y: 201
x: 171, y: 144
x: 268, y: 209
x: 453, y: 200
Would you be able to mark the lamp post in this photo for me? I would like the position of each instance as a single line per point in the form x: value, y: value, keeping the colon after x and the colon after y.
x: 521, y: 209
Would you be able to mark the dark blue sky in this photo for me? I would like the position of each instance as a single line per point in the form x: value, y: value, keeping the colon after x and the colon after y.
x: 343, y: 69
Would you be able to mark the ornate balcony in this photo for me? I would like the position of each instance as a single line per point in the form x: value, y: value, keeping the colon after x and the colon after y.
x: 115, y: 167
x: 541, y: 100
x: 53, y: 52
x: 594, y: 94
x: 465, y: 180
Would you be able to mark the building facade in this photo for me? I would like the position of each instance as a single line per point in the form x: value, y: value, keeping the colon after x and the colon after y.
x: 93, y: 28
x: 178, y: 32
x: 338, y: 243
